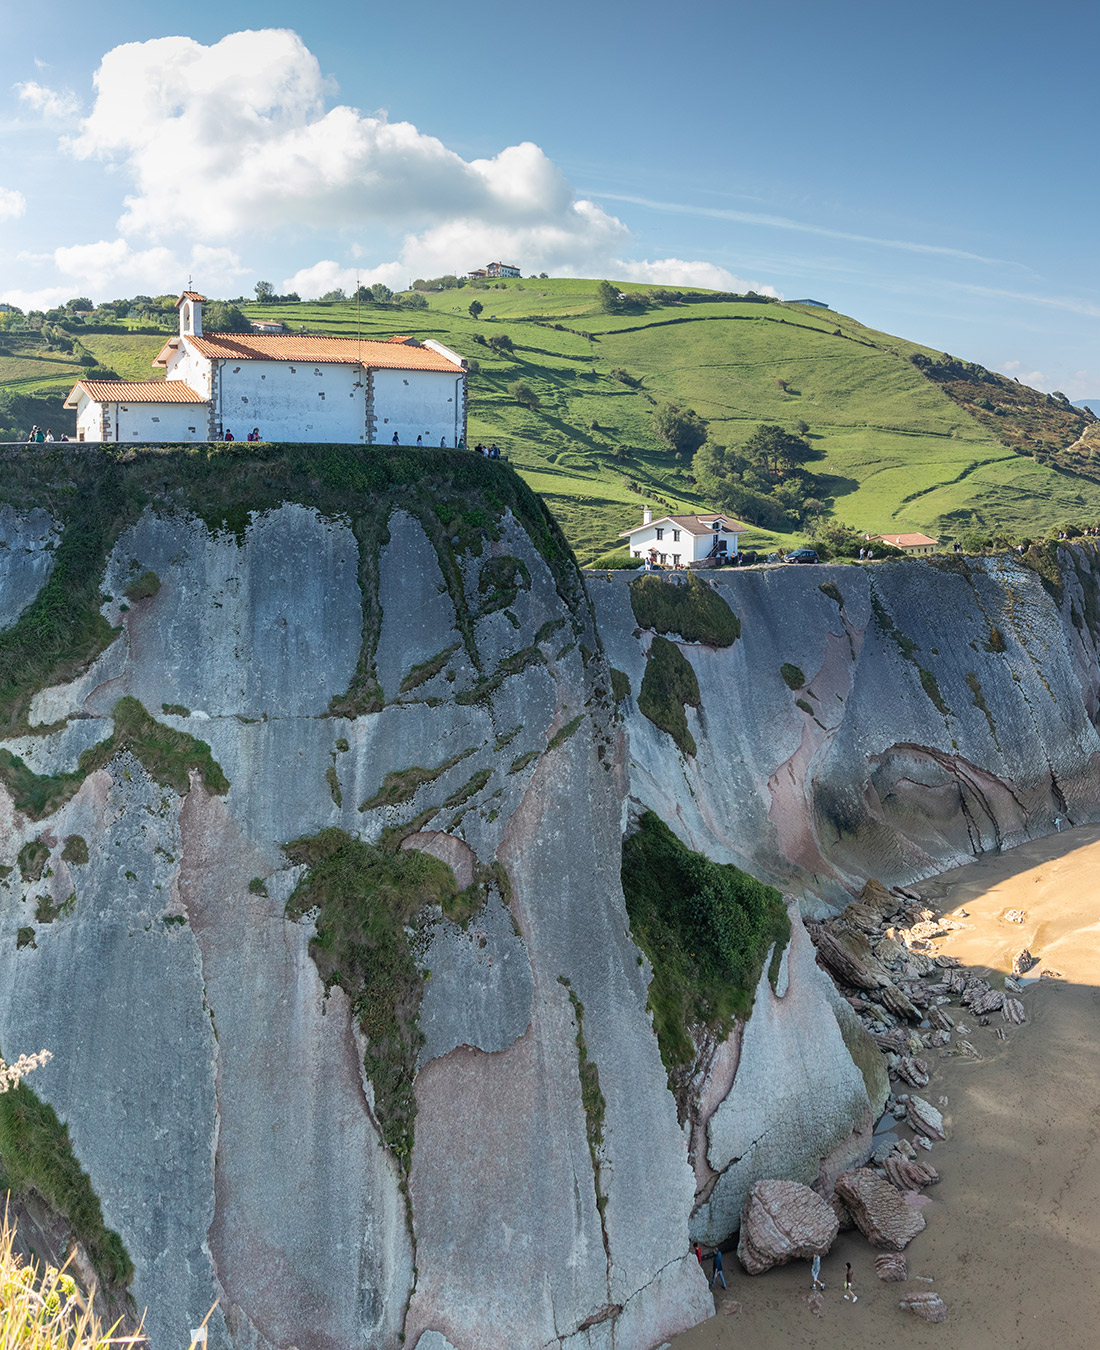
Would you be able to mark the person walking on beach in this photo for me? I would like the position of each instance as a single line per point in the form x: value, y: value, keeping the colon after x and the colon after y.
x: 1058, y: 824
x: 849, y: 1292
x: 717, y: 1270
x: 815, y: 1271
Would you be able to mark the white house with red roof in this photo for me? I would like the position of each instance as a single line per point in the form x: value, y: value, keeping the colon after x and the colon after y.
x: 688, y: 541
x: 910, y: 543
x: 289, y: 387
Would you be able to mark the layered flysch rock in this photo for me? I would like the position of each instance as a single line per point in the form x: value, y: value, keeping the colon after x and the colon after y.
x: 214, y: 1086
x: 215, y: 1082
x: 947, y: 707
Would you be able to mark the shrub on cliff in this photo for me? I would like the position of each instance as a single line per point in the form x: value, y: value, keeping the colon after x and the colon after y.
x: 696, y: 611
x: 668, y: 686
x: 36, y: 1154
x: 706, y: 928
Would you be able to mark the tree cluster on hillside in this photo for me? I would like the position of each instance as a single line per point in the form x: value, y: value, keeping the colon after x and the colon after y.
x: 265, y: 294
x: 219, y: 316
x: 445, y: 283
x: 613, y: 301
x: 681, y: 429
x: 764, y: 481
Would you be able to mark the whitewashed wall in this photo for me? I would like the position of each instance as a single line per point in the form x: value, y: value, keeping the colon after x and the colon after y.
x: 187, y: 365
x: 145, y: 422
x: 291, y: 401
x: 425, y: 403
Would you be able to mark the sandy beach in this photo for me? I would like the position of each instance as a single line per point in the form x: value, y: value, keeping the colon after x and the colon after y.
x: 1013, y: 1237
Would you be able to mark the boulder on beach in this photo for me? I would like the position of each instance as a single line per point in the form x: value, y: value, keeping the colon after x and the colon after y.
x: 783, y: 1221
x: 929, y: 1306
x: 1022, y: 962
x: 891, y: 1267
x: 1012, y: 1010
x: 879, y: 1210
x: 924, y: 1118
x: 907, y: 1174
x: 913, y: 1070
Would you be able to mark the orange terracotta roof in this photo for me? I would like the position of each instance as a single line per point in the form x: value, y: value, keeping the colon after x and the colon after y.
x: 319, y: 350
x: 135, y: 391
x: 191, y: 295
x: 908, y: 540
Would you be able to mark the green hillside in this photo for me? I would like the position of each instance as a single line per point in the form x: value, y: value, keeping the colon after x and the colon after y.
x: 901, y: 448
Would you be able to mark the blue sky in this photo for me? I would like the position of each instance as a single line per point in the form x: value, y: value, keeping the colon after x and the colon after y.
x: 928, y: 169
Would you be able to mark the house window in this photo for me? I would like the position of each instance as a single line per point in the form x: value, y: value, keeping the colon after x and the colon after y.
x: 676, y: 560
x: 675, y: 536
x: 637, y: 551
x: 660, y: 534
x: 664, y: 559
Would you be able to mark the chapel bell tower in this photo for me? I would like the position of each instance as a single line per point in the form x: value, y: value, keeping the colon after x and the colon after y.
x: 190, y: 306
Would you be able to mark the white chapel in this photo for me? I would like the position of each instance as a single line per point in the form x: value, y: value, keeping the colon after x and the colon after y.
x: 286, y: 387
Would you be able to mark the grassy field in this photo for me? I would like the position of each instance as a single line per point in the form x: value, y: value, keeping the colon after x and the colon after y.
x: 897, y: 452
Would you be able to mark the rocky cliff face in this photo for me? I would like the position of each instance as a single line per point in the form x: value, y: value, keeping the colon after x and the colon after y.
x: 313, y: 792
x: 210, y: 1065
x: 887, y: 721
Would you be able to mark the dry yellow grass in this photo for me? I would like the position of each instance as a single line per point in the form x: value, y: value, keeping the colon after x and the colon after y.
x: 41, y: 1307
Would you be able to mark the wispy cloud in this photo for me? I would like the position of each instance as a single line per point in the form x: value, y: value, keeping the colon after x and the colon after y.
x: 57, y: 105
x: 800, y: 227
x: 1067, y: 302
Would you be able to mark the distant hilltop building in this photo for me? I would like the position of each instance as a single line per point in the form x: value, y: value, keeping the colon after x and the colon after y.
x: 266, y: 326
x: 817, y: 304
x: 497, y: 269
x: 222, y: 386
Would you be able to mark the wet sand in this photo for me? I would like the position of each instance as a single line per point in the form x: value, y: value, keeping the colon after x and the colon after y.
x: 1013, y: 1237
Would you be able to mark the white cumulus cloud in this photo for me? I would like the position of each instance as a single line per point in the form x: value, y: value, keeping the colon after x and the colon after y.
x: 56, y: 104
x: 680, y: 272
x: 235, y: 137
x: 111, y: 267
x: 12, y: 203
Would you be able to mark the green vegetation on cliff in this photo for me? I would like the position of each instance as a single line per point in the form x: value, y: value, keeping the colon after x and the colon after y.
x: 706, y: 928
x: 36, y: 1154
x: 168, y: 756
x: 690, y: 607
x: 370, y: 902
x: 668, y: 687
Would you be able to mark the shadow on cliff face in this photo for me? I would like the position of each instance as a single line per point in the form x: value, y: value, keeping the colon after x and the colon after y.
x: 919, y: 806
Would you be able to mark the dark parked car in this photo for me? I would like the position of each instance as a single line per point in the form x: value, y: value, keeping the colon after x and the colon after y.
x: 805, y: 555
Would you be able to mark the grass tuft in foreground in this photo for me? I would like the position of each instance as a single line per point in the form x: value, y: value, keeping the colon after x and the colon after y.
x: 706, y: 928
x: 42, y: 1309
